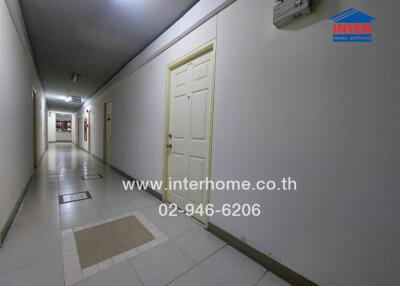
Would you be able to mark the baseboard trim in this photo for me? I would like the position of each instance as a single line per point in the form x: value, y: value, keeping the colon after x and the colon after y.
x: 93, y: 155
x: 269, y: 263
x: 41, y: 157
x: 7, y: 226
x: 155, y: 194
x: 280, y: 270
x: 152, y: 192
x: 83, y: 149
x: 100, y: 159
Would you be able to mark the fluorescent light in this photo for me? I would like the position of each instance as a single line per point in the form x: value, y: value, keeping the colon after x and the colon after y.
x: 75, y: 78
x: 54, y: 96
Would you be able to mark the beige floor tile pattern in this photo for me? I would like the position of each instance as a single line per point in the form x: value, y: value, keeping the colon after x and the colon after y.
x: 104, y: 241
x: 41, y: 250
x: 93, y: 248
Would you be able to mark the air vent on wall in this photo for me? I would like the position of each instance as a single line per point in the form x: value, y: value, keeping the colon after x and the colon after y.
x: 76, y: 99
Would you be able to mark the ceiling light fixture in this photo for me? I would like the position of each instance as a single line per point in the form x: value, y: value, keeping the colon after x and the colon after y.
x: 75, y: 77
x: 54, y: 96
x: 68, y: 99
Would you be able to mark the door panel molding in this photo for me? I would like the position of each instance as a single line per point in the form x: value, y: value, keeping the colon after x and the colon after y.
x: 199, y: 72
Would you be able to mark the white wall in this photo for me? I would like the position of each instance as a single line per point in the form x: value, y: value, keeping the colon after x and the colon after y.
x: 17, y: 78
x: 139, y: 119
x: 51, y: 125
x: 82, y: 114
x: 97, y: 114
x: 41, y: 120
x: 288, y: 102
x: 75, y: 127
x: 201, y: 12
x: 41, y: 106
x: 292, y: 103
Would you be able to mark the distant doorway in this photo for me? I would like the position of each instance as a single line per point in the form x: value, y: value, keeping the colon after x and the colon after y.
x: 77, y: 126
x: 89, y: 130
x: 63, y: 127
x: 34, y: 127
x: 47, y: 127
x: 107, y: 132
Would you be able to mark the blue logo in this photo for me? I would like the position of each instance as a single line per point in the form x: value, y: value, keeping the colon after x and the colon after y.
x: 352, y: 25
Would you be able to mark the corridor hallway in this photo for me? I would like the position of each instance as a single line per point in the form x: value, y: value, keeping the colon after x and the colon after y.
x: 267, y: 144
x: 33, y: 251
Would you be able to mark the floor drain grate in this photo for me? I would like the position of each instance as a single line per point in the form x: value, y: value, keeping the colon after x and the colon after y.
x: 92, y: 177
x: 69, y: 198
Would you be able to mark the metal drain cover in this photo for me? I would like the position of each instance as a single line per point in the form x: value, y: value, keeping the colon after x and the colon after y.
x: 92, y: 177
x: 69, y: 198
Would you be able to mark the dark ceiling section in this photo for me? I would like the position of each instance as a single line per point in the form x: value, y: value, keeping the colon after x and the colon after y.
x: 92, y: 38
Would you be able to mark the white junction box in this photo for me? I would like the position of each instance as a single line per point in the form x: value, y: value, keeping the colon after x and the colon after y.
x: 286, y: 11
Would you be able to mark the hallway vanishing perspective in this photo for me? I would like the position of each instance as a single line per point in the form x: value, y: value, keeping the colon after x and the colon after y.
x: 199, y: 143
x: 34, y: 253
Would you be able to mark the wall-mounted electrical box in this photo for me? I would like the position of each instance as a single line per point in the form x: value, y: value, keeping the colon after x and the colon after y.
x: 286, y: 11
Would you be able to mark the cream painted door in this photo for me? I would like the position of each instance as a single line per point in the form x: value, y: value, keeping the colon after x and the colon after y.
x: 108, y: 131
x: 189, y: 130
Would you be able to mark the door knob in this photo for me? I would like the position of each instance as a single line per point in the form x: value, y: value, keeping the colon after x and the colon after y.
x: 169, y: 146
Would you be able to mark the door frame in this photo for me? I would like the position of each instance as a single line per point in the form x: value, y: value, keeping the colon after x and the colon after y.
x: 105, y: 130
x: 77, y: 126
x: 209, y: 47
x: 34, y: 128
x: 89, y: 133
x: 47, y: 126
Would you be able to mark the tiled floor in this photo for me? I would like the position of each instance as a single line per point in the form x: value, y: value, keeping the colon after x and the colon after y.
x: 32, y: 253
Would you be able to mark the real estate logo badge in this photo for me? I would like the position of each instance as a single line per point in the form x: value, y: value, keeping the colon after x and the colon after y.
x: 352, y: 25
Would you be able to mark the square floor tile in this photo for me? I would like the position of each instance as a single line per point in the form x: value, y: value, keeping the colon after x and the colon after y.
x: 115, y: 208
x: 174, y: 226
x: 15, y: 256
x: 229, y: 267
x: 37, y: 229
x: 49, y: 211
x: 121, y: 274
x: 198, y: 243
x: 40, y: 200
x: 79, y: 218
x: 152, y: 213
x: 77, y: 206
x: 269, y: 279
x: 25, y: 218
x: 162, y: 264
x: 41, y: 273
x: 142, y: 200
x: 194, y: 277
